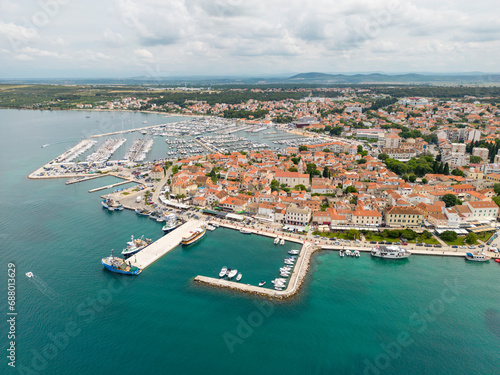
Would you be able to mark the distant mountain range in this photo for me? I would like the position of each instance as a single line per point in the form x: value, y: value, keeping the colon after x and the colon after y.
x: 302, y: 78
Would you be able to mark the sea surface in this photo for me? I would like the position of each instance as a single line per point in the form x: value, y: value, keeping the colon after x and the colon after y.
x: 426, y: 315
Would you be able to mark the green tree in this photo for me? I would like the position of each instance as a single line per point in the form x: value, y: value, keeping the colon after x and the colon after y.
x: 293, y: 169
x: 475, y: 159
x: 361, y: 161
x: 412, y: 178
x: 471, y: 238
x: 326, y: 172
x: 496, y: 188
x: 457, y: 172
x: 382, y: 156
x: 496, y: 200
x: 426, y: 234
x: 299, y: 187
x: 446, y: 170
x: 448, y: 235
x: 350, y: 189
x: 352, y: 234
x: 275, y: 185
x: 303, y: 148
x: 408, y: 234
x: 175, y: 169
x: 394, y: 233
x: 360, y: 149
x: 424, y: 180
x: 450, y: 200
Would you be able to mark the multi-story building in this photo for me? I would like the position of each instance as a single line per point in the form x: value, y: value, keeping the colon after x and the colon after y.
x: 297, y: 215
x: 482, y: 152
x: 292, y: 178
x: 483, y: 210
x: 404, y: 217
x: 458, y: 148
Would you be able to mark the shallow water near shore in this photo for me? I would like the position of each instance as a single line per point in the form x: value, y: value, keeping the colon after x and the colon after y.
x: 426, y: 315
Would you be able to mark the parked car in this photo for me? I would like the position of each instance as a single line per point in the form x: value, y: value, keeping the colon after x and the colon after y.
x: 438, y: 245
x: 420, y: 244
x: 388, y: 243
x: 481, y: 245
x: 428, y: 245
x: 472, y: 247
x: 374, y: 242
x: 397, y: 243
x: 455, y: 247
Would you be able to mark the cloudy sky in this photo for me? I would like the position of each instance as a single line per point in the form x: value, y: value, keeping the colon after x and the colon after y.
x: 124, y: 38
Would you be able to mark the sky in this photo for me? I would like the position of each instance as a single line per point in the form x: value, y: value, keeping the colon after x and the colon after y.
x: 168, y: 38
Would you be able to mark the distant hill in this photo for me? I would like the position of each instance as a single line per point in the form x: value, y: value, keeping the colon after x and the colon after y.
x: 315, y: 77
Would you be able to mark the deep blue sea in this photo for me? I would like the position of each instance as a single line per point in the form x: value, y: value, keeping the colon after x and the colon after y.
x: 426, y: 315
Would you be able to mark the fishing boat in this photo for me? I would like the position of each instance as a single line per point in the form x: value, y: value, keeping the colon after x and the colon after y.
x: 276, y: 240
x: 390, y: 252
x: 142, y: 211
x: 262, y: 283
x: 118, y: 265
x: 282, y: 241
x: 231, y: 273
x: 171, y: 222
x: 112, y: 205
x: 238, y: 278
x: 477, y: 257
x: 30, y: 274
x: 223, y: 271
x: 245, y: 231
x: 194, y: 235
x: 136, y: 245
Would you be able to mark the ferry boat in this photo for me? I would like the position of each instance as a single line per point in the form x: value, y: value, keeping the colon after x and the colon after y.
x: 118, y: 265
x: 194, y: 235
x: 111, y: 204
x: 390, y: 252
x: 476, y: 257
x: 134, y: 246
x: 142, y: 211
x: 171, y: 222
x: 245, y: 231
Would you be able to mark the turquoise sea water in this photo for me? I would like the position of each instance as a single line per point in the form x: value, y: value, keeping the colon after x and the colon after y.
x: 428, y: 315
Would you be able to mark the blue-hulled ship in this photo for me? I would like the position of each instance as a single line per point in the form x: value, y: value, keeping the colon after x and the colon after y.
x: 112, y: 205
x: 119, y: 265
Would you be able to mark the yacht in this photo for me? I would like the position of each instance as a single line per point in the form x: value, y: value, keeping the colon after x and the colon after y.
x: 171, y: 222
x: 245, y: 231
x: 223, y: 271
x: 390, y: 252
x: 477, y: 257
x: 136, y: 245
x: 231, y: 273
x: 294, y: 252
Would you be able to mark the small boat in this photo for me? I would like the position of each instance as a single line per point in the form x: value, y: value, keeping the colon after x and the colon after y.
x: 210, y: 228
x: 134, y: 246
x: 171, y: 222
x: 262, y: 283
x: 214, y: 224
x: 497, y: 260
x: 194, y: 235
x: 231, y: 273
x: 294, y: 252
x: 238, y: 278
x: 142, y: 211
x: 30, y: 274
x: 356, y: 253
x: 118, y: 265
x: 390, y: 252
x: 111, y: 204
x: 341, y: 253
x: 276, y: 240
x: 223, y: 271
x: 288, y: 261
x: 477, y: 257
x: 245, y: 231
x: 282, y: 241
x: 348, y: 253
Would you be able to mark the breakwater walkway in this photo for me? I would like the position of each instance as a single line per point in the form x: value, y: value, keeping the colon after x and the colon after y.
x: 159, y: 248
x: 296, y: 278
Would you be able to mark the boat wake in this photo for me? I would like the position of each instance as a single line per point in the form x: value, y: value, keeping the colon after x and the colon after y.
x: 45, y: 289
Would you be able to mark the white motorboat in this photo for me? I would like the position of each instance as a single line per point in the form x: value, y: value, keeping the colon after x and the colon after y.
x: 262, y: 283
x: 214, y: 224
x: 238, y: 278
x: 294, y: 252
x: 348, y: 253
x: 30, y: 274
x: 210, y: 228
x: 282, y: 241
x: 390, y: 252
x: 276, y: 240
x: 288, y: 261
x: 231, y: 273
x: 356, y: 253
x: 341, y: 253
x: 223, y: 271
x: 245, y: 231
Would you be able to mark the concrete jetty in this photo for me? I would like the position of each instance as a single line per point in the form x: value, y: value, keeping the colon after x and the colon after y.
x: 112, y: 186
x: 159, y: 248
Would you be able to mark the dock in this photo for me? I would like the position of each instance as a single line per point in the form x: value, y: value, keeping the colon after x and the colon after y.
x: 81, y: 179
x: 159, y: 248
x: 112, y: 186
x: 296, y: 278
